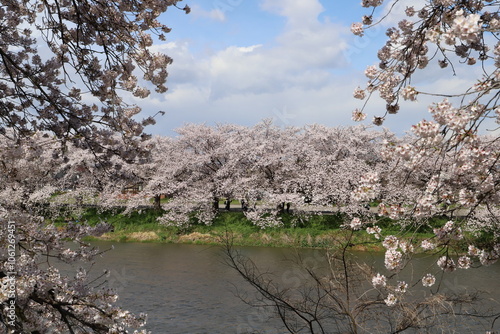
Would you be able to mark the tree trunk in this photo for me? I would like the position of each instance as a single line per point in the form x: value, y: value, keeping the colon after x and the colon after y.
x: 157, y: 203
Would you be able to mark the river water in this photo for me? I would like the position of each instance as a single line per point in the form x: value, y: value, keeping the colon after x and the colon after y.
x: 187, y: 289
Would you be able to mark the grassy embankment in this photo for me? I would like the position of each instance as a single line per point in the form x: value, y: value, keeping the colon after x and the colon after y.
x: 317, y: 231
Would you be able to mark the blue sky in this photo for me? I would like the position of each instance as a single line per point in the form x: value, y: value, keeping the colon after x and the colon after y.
x: 296, y: 61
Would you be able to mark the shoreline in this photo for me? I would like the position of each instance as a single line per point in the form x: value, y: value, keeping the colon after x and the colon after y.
x: 260, y: 239
x: 321, y: 231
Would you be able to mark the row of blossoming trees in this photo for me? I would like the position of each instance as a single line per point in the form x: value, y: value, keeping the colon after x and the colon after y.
x: 313, y: 168
x: 262, y: 166
x: 71, y: 97
x: 317, y: 168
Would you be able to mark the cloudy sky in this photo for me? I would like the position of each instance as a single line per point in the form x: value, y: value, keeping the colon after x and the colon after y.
x: 296, y: 61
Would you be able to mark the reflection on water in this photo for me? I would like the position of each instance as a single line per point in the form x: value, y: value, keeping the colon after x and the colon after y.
x: 187, y: 288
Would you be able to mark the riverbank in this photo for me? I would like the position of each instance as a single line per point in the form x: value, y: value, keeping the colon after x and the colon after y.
x: 319, y: 231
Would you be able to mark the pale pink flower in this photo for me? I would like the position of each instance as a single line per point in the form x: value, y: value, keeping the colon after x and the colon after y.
x: 428, y: 280
x: 375, y: 230
x: 358, y: 115
x: 410, y: 11
x: 427, y: 245
x: 390, y: 242
x: 371, y: 72
x: 357, y: 29
x: 402, y: 287
x: 359, y: 93
x: 355, y: 224
x: 409, y: 93
x: 406, y: 247
x: 474, y: 251
x: 446, y: 264
x: 390, y: 300
x: 393, y: 259
x: 466, y: 28
x: 464, y: 262
x: 426, y: 129
x: 487, y: 258
x: 379, y: 281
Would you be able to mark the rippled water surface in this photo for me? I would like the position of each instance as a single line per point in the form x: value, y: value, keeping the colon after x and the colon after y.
x: 187, y: 289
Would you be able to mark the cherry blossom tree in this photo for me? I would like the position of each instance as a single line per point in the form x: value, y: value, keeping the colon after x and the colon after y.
x: 194, y: 171
x: 450, y: 159
x: 264, y: 166
x: 66, y: 70
x: 446, y: 167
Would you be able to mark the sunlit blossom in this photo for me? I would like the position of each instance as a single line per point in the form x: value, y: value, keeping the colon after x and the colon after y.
x: 428, y: 280
x: 379, y: 281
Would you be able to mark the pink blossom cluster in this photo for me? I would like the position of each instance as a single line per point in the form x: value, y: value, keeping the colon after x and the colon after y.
x: 263, y: 219
x: 486, y: 257
x: 391, y: 300
x: 393, y: 260
x: 401, y: 287
x: 379, y: 281
x: 446, y: 263
x: 450, y: 231
x: 465, y: 27
x: 357, y: 29
x: 367, y: 188
x: 358, y: 115
x: 426, y: 129
x: 428, y: 280
x: 445, y: 114
x: 427, y: 245
x: 375, y: 230
x: 355, y: 224
x: 447, y: 26
x: 391, y: 242
x: 393, y: 211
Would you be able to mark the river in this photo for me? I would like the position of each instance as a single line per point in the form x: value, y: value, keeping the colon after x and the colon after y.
x: 187, y: 289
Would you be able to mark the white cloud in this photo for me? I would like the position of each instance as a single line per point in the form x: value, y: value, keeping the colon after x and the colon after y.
x: 290, y: 80
x: 304, y: 76
x: 215, y: 14
x: 394, y: 10
x: 299, y: 13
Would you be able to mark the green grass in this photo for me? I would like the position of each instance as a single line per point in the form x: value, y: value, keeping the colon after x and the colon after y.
x: 315, y: 231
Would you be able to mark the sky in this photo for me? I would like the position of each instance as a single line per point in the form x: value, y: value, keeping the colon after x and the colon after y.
x: 295, y: 61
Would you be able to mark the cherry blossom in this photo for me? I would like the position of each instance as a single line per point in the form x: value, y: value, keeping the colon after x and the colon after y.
x: 427, y: 245
x: 379, y: 281
x: 358, y: 116
x: 375, y: 230
x: 401, y: 287
x: 357, y: 29
x: 391, y: 242
x: 391, y: 300
x: 428, y: 280
x: 66, y: 133
x: 446, y: 263
x: 393, y: 260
